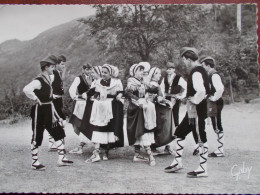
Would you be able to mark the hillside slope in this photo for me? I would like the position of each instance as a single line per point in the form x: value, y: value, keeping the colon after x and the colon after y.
x: 19, y: 60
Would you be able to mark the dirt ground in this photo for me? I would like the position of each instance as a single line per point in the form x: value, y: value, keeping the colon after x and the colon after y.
x: 120, y: 175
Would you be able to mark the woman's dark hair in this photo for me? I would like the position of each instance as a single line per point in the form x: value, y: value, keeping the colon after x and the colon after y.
x: 107, y: 69
x: 141, y: 67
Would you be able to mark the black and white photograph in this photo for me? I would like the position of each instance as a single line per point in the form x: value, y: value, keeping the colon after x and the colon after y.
x: 129, y: 98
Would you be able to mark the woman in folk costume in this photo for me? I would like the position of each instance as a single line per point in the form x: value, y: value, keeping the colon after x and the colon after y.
x: 164, y: 121
x: 141, y: 114
x: 107, y: 111
x: 147, y: 67
x: 85, y: 127
x: 174, y: 88
x: 78, y: 92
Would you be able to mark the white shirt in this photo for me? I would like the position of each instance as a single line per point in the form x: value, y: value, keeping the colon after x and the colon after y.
x: 74, y: 88
x: 198, y: 85
x: 181, y: 82
x: 217, y: 83
x: 35, y: 84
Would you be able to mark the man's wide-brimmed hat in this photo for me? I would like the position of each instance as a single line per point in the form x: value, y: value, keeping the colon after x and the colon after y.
x: 50, y: 60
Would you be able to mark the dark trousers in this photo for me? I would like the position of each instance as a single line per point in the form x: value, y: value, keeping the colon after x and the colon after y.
x: 58, y: 104
x: 185, y: 128
x: 216, y: 121
x: 175, y: 112
x: 41, y: 120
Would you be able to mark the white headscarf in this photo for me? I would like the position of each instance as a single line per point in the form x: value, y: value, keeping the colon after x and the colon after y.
x: 153, y: 71
x: 98, y: 70
x: 113, y: 71
x: 146, y: 66
x: 133, y: 69
x: 116, y: 72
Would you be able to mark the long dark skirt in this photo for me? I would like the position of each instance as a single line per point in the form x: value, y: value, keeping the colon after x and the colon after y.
x: 75, y: 121
x: 115, y: 125
x: 86, y: 128
x: 135, y: 123
x: 164, y: 132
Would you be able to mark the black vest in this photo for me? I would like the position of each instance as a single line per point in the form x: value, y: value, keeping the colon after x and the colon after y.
x: 212, y: 88
x: 190, y: 90
x: 173, y: 86
x: 202, y: 106
x: 45, y: 93
x: 83, y: 85
x: 57, y: 84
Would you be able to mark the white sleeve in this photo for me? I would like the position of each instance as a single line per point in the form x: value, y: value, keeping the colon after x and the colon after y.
x: 28, y: 89
x: 120, y: 85
x: 217, y: 83
x: 73, y: 88
x: 183, y: 84
x: 198, y: 85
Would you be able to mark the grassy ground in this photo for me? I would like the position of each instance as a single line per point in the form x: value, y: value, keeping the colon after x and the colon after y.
x: 121, y: 175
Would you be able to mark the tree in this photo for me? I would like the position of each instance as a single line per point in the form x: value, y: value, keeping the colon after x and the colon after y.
x: 142, y: 30
x: 128, y: 34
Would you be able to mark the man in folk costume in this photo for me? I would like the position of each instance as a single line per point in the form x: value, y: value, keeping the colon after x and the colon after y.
x: 44, y: 115
x: 58, y: 92
x: 86, y: 128
x: 194, y: 120
x: 174, y: 88
x: 215, y: 102
x: 78, y: 92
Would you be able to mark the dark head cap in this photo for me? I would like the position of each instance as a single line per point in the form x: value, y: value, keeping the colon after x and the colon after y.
x: 50, y: 60
x: 170, y: 65
x: 190, y: 49
x: 207, y: 58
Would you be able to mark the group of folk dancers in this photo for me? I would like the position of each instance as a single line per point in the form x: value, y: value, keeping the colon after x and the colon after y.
x: 152, y: 115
